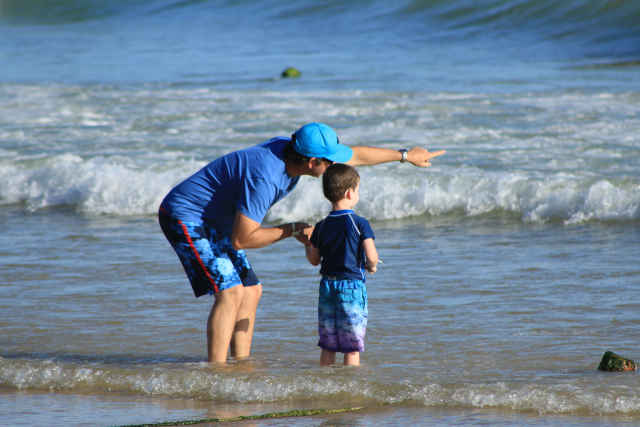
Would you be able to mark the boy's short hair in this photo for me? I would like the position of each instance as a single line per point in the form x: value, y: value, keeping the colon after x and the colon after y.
x: 337, y: 179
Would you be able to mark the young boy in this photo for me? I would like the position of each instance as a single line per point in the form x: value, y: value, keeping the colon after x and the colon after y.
x: 343, y: 242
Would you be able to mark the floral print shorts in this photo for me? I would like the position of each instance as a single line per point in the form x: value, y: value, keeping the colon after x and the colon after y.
x: 209, y: 260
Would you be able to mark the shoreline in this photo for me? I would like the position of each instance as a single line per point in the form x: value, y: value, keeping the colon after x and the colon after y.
x: 72, y: 409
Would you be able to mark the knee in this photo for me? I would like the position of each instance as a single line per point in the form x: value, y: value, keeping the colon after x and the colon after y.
x: 234, y: 295
x: 256, y: 291
x: 252, y: 293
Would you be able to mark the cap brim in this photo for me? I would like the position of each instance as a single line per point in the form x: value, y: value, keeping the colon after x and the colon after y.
x: 342, y: 155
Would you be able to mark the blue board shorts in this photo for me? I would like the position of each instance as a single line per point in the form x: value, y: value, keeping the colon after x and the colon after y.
x: 209, y: 260
x: 342, y: 315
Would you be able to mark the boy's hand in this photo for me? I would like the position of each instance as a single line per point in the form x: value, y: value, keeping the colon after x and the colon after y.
x: 308, y: 231
x: 304, y: 234
x: 372, y: 269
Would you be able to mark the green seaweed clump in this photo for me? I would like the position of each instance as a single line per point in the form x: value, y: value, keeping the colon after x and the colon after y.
x: 612, y: 362
x: 290, y: 72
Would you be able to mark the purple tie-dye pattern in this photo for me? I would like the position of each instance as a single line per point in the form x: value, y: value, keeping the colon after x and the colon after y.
x: 342, y: 315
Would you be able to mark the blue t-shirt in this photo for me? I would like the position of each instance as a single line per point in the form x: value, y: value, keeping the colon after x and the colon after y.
x: 339, y: 238
x: 248, y: 181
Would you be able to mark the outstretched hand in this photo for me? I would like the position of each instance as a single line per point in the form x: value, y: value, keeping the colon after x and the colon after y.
x: 421, y: 157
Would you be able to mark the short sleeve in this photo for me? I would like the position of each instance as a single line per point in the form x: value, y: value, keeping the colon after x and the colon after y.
x: 256, y: 198
x: 366, y: 232
x: 315, y: 235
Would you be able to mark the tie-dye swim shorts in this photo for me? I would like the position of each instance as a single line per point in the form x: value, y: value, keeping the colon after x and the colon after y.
x: 342, y: 315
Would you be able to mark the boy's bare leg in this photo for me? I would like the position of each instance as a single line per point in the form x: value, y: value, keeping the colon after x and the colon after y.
x: 245, y: 321
x: 327, y: 357
x: 221, y: 322
x: 352, y: 359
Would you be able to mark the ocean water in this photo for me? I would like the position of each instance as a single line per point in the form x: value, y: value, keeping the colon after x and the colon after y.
x: 510, y: 266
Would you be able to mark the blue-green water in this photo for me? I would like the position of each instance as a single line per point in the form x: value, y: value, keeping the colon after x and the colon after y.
x: 510, y: 266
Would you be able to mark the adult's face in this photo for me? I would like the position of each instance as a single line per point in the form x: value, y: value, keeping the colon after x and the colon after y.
x: 319, y: 166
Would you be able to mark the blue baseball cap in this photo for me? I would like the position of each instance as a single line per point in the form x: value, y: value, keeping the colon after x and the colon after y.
x: 320, y: 141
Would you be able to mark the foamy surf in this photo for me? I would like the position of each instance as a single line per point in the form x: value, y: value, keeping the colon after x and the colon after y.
x: 119, y: 186
x: 560, y: 156
x: 197, y: 381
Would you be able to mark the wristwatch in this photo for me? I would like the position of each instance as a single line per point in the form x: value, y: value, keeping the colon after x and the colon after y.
x: 403, y: 151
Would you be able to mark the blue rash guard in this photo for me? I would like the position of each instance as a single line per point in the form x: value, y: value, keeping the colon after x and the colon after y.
x: 339, y: 238
x: 248, y: 181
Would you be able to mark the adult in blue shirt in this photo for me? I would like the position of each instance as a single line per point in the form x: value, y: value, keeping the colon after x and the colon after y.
x: 214, y: 215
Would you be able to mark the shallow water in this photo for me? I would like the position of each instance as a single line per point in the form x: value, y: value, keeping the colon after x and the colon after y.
x: 494, y: 314
x: 510, y: 266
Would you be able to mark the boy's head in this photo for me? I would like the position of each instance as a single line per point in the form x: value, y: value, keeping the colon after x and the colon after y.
x: 337, y: 179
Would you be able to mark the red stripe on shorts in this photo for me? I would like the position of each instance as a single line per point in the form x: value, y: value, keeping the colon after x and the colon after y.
x: 195, y: 252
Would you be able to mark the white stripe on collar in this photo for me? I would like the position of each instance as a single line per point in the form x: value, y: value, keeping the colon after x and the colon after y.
x: 349, y: 213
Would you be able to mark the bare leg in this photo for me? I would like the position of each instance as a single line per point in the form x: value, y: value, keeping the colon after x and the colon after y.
x: 221, y: 323
x: 352, y: 359
x: 327, y: 357
x: 245, y: 321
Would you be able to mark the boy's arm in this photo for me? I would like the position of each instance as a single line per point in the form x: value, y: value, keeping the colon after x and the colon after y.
x: 313, y: 254
x: 372, y: 254
x: 368, y: 156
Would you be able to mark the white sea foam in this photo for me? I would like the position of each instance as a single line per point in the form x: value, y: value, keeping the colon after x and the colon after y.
x: 118, y: 185
x: 95, y: 186
x: 440, y: 192
x: 191, y: 381
x: 556, y: 156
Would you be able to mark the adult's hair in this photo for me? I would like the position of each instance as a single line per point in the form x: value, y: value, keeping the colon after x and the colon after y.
x: 291, y: 155
x: 337, y: 179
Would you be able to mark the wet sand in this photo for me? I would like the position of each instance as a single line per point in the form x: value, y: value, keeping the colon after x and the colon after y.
x: 65, y: 409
